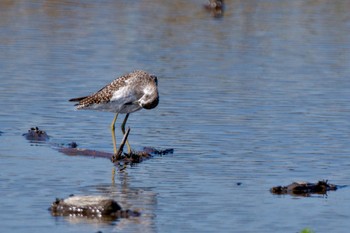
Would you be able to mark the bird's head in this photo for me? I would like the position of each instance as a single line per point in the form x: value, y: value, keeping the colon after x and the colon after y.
x: 150, y: 98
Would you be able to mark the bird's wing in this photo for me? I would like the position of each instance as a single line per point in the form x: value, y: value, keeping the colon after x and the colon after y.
x: 103, y: 95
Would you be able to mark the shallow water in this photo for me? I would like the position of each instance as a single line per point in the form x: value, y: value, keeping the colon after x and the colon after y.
x: 258, y: 98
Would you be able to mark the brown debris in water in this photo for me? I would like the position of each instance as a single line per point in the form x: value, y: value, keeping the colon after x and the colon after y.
x: 134, y: 157
x: 304, y: 188
x: 139, y: 156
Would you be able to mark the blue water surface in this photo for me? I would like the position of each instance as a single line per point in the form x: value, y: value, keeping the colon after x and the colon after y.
x: 254, y: 99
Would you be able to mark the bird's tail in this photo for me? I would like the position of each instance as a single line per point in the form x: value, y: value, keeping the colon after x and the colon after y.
x: 77, y: 99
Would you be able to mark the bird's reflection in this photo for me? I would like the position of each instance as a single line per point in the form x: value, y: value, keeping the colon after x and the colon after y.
x: 142, y: 200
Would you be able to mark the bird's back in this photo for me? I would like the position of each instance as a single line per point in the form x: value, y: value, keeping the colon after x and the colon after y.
x: 121, y: 95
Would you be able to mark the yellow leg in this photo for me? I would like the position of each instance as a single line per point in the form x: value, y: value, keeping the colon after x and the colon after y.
x: 113, y: 133
x: 123, y: 130
x: 113, y: 175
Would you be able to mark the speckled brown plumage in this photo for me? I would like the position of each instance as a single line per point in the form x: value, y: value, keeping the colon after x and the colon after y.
x: 132, y: 87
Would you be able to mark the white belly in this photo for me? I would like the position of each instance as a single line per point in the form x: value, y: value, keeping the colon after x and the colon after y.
x: 122, y: 101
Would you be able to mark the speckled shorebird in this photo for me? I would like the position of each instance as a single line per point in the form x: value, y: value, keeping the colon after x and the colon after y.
x: 126, y: 94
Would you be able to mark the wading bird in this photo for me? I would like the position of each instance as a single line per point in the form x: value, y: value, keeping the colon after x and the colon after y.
x: 126, y: 94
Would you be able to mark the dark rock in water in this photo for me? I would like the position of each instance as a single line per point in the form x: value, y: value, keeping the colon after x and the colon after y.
x: 304, y: 188
x: 90, y: 207
x: 94, y: 206
x: 72, y: 145
x: 35, y: 134
x: 216, y: 7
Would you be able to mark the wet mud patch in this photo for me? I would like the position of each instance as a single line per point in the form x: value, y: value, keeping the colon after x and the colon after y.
x: 35, y: 134
x: 305, y: 189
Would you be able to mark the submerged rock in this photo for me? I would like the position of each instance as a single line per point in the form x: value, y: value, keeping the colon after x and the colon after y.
x: 75, y: 151
x: 152, y: 150
x: 305, y: 188
x: 90, y: 207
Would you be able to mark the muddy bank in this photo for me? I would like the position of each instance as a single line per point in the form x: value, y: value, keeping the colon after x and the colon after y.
x: 35, y: 134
